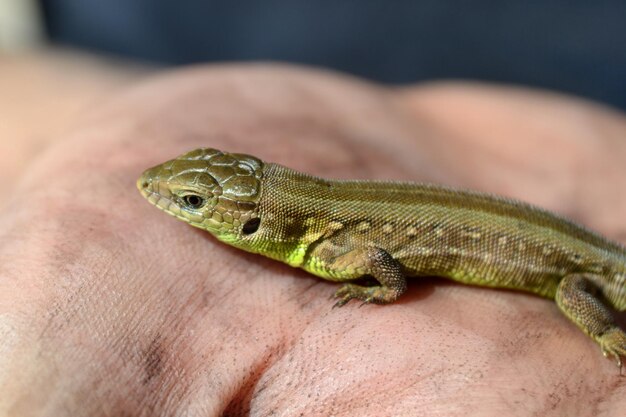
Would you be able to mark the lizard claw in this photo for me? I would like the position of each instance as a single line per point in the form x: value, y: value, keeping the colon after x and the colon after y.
x: 613, y: 344
x: 367, y: 301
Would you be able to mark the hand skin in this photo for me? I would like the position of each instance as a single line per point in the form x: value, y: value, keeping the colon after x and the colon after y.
x: 108, y: 307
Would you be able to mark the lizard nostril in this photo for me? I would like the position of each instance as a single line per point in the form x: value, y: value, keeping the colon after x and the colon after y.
x: 144, y: 183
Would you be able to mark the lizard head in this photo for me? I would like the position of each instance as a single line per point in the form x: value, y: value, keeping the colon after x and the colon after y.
x: 209, y: 189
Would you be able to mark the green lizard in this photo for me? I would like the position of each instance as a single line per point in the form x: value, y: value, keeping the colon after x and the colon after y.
x: 343, y: 230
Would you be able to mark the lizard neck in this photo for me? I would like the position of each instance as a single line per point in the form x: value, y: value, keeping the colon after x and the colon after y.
x: 294, y: 210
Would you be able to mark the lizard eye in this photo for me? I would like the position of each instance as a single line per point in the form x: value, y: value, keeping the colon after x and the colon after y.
x: 193, y: 201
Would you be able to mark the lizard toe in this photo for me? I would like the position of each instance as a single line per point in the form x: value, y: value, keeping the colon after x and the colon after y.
x: 613, y: 344
x: 346, y: 293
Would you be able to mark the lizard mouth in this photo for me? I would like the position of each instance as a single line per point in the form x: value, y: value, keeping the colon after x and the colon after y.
x: 160, y: 197
x: 188, y: 195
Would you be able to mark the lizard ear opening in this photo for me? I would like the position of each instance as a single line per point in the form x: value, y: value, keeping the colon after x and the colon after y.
x: 251, y: 226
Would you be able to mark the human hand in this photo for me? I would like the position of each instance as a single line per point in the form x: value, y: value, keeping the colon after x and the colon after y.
x: 109, y: 307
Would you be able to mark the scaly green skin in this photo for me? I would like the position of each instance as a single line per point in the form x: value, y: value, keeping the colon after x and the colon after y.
x: 343, y: 230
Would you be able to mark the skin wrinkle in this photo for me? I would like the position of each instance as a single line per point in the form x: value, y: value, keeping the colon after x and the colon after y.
x: 246, y: 392
x: 153, y: 359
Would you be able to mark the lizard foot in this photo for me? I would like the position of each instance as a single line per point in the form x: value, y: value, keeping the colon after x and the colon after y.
x: 613, y: 344
x: 377, y: 294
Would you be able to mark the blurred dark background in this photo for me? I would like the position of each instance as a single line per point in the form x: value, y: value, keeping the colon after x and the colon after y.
x: 575, y: 46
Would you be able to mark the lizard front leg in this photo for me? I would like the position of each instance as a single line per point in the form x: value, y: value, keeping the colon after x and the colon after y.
x: 577, y: 297
x: 369, y: 261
